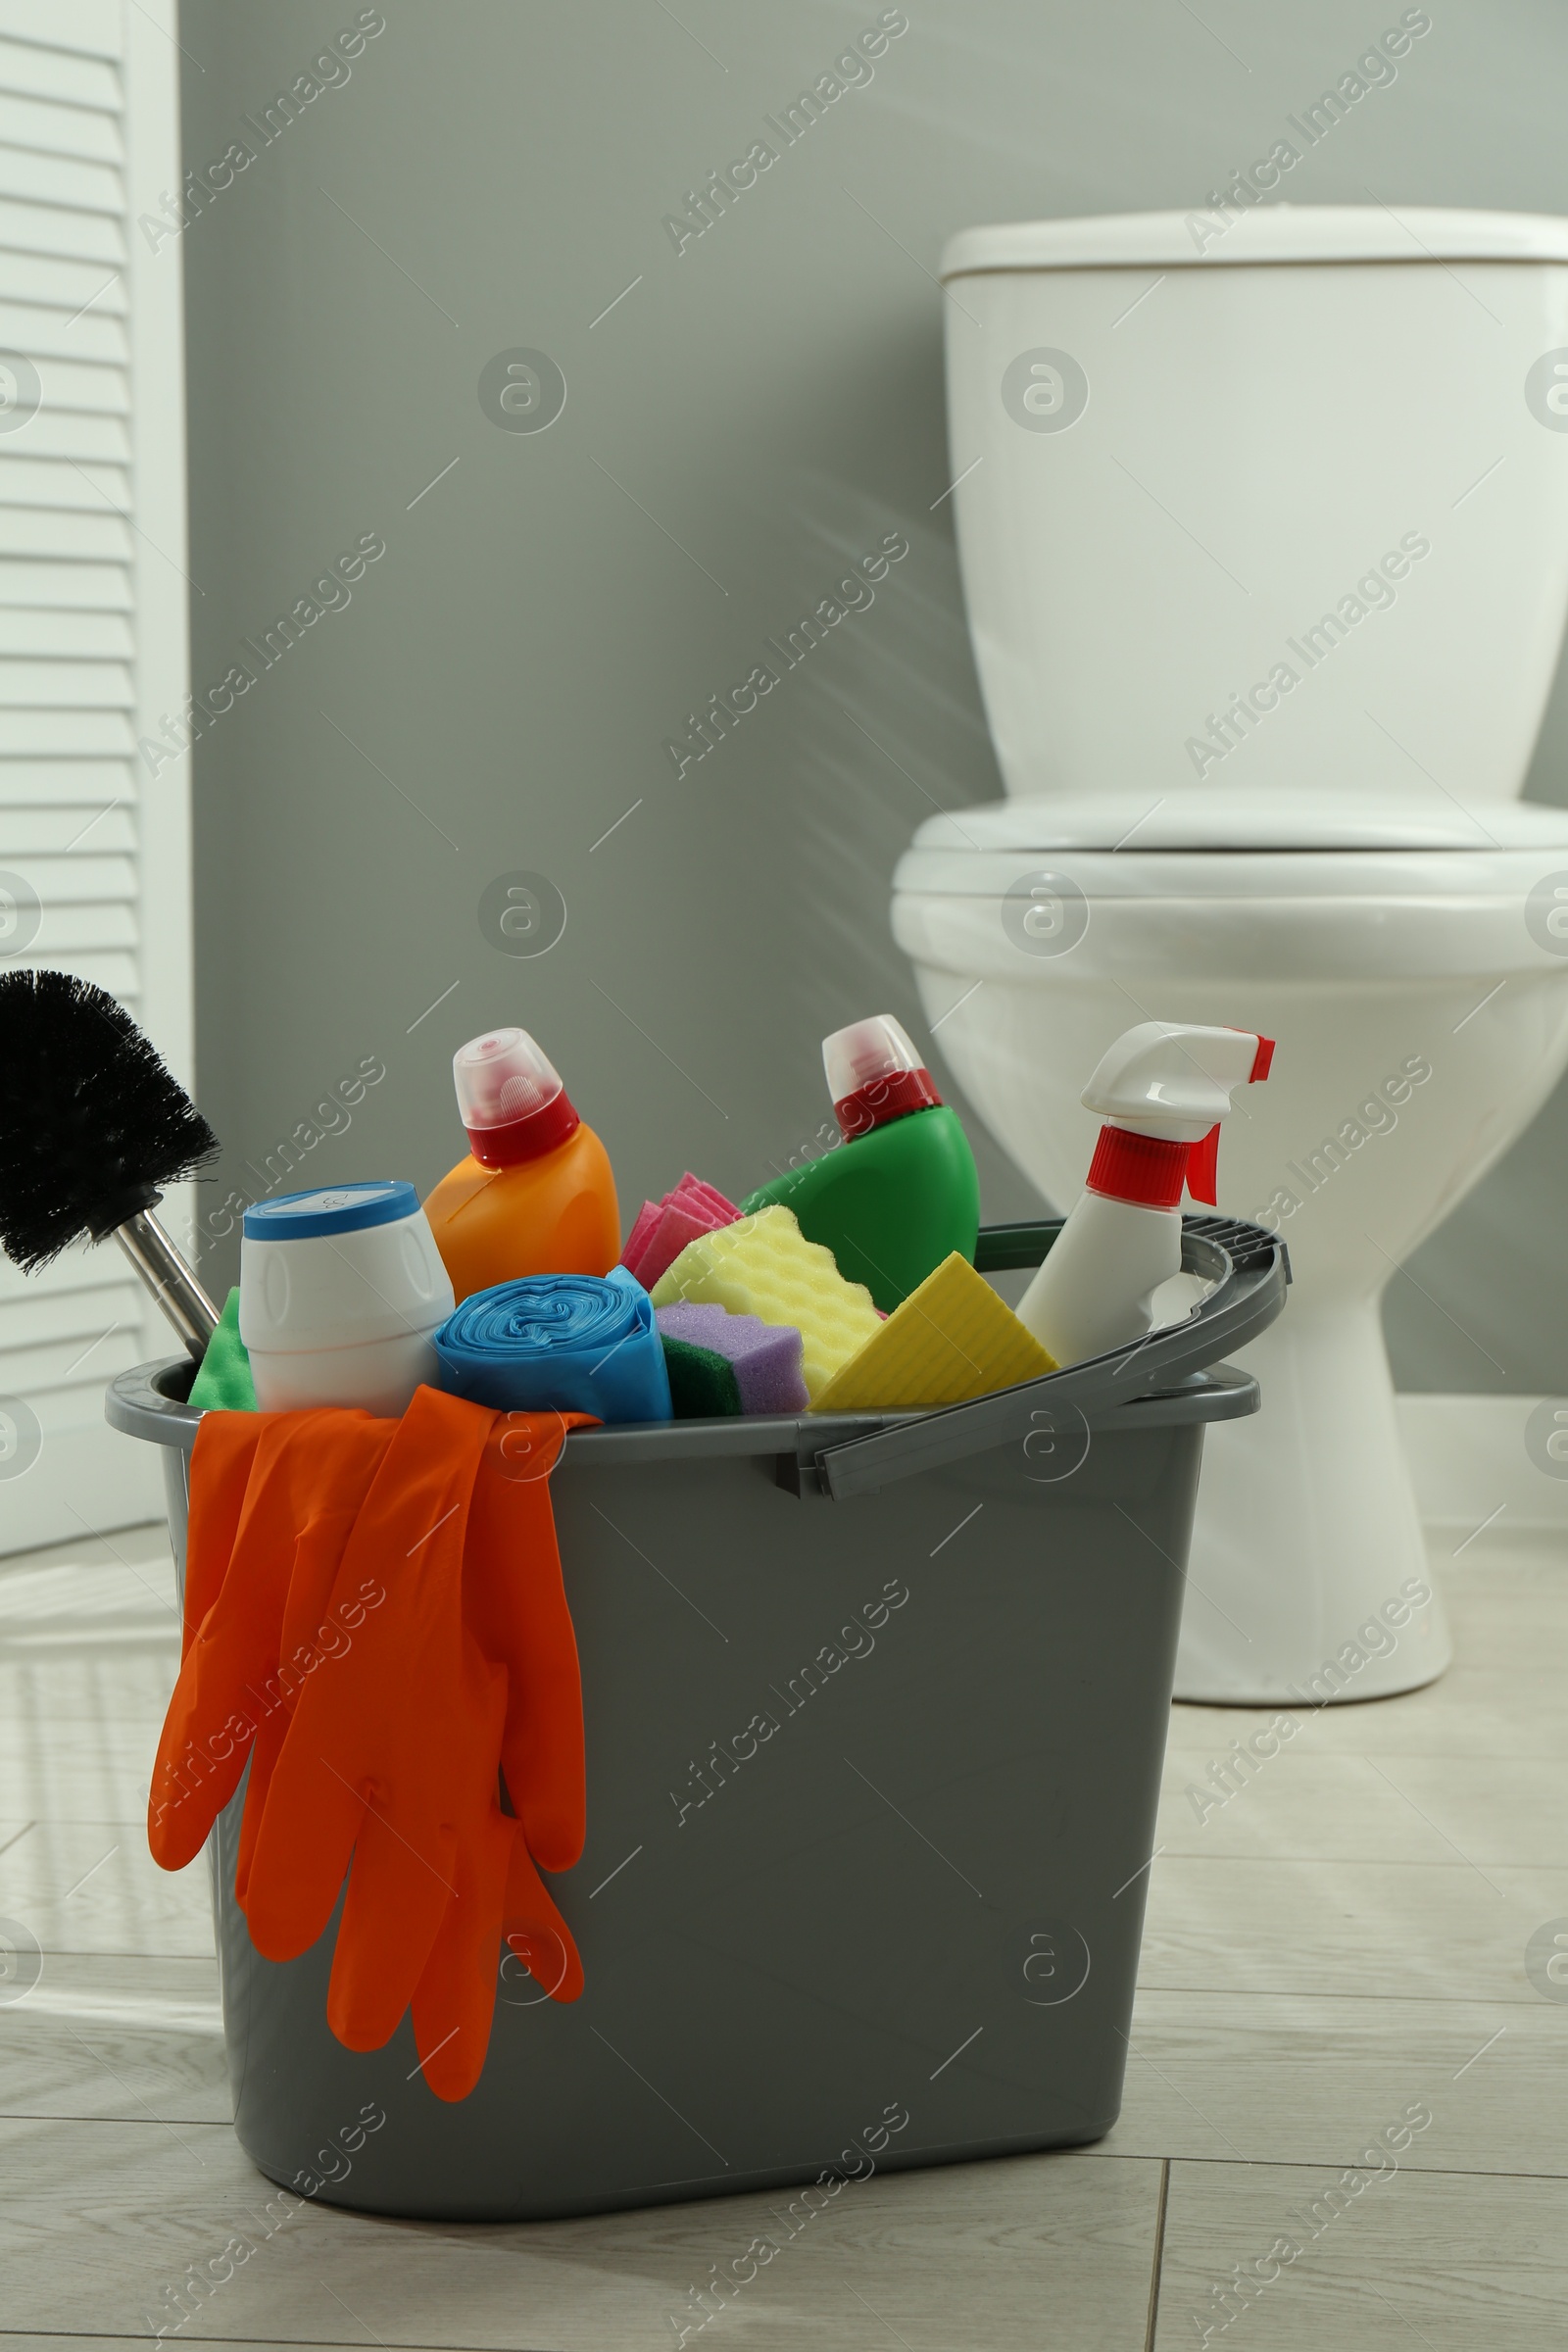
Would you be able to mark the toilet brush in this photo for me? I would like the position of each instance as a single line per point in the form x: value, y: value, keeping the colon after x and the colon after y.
x: 91, y: 1127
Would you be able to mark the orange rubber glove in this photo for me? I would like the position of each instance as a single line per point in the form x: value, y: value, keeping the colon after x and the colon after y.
x: 334, y: 1470
x: 276, y: 1500
x: 252, y: 1480
x: 515, y: 1609
x: 220, y: 1469
x: 391, y: 1760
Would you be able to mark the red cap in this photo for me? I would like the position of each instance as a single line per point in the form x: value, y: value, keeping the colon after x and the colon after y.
x: 1151, y: 1171
x: 510, y: 1098
x: 527, y: 1138
x: 876, y: 1074
x: 1142, y: 1168
x: 890, y: 1097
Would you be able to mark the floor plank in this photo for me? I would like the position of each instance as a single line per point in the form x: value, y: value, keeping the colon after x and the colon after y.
x: 58, y: 1771
x: 90, y: 1645
x: 1458, y: 2264
x: 1297, y: 2079
x: 1442, y: 1931
x: 1503, y: 1599
x: 103, y: 2222
x: 1316, y: 1805
x: 1476, y: 1711
x: 93, y: 1887
x: 105, y: 2036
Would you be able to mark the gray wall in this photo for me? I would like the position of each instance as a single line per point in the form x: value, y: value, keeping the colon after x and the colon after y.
x: 757, y: 412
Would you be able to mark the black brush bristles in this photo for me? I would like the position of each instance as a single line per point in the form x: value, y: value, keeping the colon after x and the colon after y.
x: 91, y: 1124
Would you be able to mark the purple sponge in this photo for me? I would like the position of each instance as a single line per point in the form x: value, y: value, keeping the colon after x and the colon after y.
x: 765, y: 1356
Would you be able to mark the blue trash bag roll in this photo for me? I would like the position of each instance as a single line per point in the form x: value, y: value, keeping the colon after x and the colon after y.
x: 562, y: 1342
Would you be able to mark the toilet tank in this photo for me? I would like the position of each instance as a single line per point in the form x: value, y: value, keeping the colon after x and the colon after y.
x: 1268, y: 499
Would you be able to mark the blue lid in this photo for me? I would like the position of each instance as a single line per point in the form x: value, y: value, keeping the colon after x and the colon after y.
x: 332, y: 1208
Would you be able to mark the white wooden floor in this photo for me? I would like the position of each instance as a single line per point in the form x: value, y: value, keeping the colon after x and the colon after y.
x: 1340, y: 1945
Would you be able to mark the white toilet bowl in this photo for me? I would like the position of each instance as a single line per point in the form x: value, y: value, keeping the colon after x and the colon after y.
x: 1263, y: 525
x: 1416, y: 984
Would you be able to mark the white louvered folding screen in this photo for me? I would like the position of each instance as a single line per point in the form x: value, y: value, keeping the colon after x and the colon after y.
x: 95, y: 852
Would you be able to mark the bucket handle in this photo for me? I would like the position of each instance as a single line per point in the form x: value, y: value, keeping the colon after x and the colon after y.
x: 1250, y: 1269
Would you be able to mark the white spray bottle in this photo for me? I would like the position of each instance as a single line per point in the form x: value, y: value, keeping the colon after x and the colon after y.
x: 1162, y: 1091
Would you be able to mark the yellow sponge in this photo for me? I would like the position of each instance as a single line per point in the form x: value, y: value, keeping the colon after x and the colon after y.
x: 763, y: 1265
x: 950, y: 1339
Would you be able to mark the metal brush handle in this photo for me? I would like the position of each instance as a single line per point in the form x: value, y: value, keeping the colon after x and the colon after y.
x: 170, y: 1279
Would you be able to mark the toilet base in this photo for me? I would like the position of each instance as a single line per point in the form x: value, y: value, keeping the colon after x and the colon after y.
x: 1307, y: 1583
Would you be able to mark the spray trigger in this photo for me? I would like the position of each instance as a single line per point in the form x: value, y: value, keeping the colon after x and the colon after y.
x: 1203, y: 1167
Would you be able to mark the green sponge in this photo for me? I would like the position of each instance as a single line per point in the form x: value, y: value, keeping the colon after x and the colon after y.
x: 223, y: 1381
x: 702, y: 1382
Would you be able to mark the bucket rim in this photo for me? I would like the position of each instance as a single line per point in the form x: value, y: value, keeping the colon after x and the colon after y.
x: 1177, y: 1369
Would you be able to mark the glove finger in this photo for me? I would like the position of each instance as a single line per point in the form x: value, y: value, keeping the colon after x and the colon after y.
x: 534, y: 1931
x: 266, y: 1749
x: 212, y: 1722
x: 190, y: 1784
x: 521, y: 1618
x: 316, y: 1557
x: 398, y: 1892
x: 293, y: 1883
x: 454, y: 1998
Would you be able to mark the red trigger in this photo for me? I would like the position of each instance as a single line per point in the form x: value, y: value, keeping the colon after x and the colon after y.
x: 1203, y: 1167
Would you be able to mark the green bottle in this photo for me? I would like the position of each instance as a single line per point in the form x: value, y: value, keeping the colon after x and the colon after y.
x: 899, y: 1193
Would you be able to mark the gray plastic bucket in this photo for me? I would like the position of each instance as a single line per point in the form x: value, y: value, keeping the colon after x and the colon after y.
x: 875, y: 1715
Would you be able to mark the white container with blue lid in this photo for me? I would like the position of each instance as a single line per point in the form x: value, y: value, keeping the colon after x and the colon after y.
x: 340, y: 1292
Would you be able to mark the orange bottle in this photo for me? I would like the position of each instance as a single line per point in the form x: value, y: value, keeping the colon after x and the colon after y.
x: 536, y: 1194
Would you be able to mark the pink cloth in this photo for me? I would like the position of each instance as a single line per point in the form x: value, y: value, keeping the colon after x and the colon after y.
x: 640, y: 1235
x: 663, y: 1228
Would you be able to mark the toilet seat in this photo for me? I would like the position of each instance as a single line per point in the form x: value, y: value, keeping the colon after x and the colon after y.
x: 1281, y: 233
x: 1210, y: 886
x: 1216, y: 846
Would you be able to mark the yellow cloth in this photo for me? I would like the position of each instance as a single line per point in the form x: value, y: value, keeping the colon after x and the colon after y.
x: 950, y: 1339
x: 763, y: 1265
